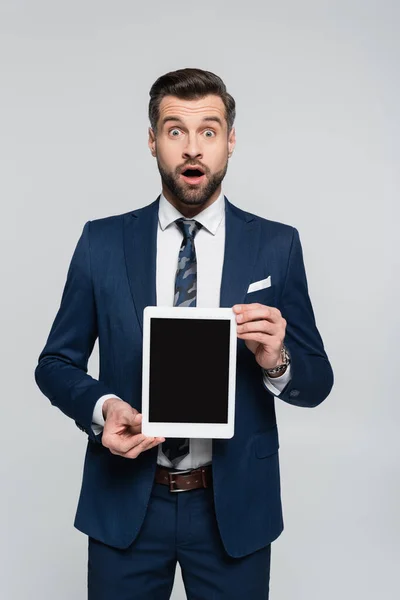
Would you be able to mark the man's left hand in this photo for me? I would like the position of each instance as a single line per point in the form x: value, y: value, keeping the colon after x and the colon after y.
x: 263, y: 329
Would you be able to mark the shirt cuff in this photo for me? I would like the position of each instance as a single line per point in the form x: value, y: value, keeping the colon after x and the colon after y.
x: 276, y: 384
x: 98, y: 421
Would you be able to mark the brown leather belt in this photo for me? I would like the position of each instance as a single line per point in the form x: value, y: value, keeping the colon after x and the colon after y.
x: 182, y: 481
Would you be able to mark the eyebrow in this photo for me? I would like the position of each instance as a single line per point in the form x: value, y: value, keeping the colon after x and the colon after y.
x: 179, y: 120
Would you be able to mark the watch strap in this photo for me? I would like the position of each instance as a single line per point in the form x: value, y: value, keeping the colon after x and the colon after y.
x: 285, y: 357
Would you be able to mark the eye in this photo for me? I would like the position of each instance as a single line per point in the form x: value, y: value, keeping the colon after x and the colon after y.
x: 172, y: 130
x: 210, y: 131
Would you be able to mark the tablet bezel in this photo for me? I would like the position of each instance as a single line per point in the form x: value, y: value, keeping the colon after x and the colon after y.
x: 188, y: 430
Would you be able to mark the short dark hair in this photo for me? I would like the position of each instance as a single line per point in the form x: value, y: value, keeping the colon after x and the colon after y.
x: 189, y: 84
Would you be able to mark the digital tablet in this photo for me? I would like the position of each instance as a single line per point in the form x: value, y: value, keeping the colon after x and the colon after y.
x: 189, y: 372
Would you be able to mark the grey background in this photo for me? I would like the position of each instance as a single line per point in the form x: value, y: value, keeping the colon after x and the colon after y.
x: 317, y: 92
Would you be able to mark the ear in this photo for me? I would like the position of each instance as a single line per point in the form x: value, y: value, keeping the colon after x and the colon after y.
x: 231, y: 141
x: 152, y: 142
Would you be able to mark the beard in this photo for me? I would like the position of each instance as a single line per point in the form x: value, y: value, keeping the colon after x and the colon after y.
x: 192, y: 195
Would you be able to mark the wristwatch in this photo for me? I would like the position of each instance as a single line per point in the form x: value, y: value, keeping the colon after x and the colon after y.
x: 285, y: 357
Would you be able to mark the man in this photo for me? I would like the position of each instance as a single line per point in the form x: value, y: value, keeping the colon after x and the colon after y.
x: 221, y: 526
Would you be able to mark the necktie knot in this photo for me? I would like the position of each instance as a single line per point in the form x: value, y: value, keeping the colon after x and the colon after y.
x: 188, y: 227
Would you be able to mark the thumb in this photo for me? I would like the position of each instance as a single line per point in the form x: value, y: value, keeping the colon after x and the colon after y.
x: 135, y: 418
x: 131, y: 418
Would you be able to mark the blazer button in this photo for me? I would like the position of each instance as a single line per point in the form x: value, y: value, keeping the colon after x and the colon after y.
x: 294, y: 393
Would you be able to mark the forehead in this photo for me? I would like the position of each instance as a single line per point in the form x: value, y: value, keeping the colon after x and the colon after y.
x: 210, y: 105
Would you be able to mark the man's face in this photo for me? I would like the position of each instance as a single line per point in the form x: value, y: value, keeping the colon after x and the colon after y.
x: 192, y: 133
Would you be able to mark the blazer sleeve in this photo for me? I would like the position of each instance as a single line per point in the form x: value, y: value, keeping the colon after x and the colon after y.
x: 61, y: 373
x: 311, y: 373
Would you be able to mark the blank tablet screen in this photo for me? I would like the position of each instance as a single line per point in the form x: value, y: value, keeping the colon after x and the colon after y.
x: 189, y: 370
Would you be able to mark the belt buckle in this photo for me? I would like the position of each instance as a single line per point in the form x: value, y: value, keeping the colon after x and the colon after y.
x: 172, y: 481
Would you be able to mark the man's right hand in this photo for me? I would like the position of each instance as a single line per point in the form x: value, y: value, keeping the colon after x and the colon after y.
x: 122, y: 433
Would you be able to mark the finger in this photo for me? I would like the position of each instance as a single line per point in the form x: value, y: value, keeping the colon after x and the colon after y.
x: 120, y: 439
x: 129, y: 449
x: 262, y: 326
x: 122, y: 447
x: 239, y: 308
x: 121, y: 444
x: 133, y: 418
x: 145, y: 445
x: 137, y: 423
x: 133, y: 421
x: 271, y: 342
x: 256, y: 311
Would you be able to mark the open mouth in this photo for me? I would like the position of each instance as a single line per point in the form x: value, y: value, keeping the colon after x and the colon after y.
x: 193, y: 175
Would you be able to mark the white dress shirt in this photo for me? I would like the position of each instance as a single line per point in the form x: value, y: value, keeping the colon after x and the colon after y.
x: 209, y: 244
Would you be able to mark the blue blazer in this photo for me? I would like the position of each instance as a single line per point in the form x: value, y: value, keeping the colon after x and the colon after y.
x: 111, y: 279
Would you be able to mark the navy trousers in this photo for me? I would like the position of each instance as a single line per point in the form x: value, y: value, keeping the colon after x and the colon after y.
x: 178, y: 527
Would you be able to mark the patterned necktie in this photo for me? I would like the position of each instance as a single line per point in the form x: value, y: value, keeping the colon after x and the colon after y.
x: 185, y: 295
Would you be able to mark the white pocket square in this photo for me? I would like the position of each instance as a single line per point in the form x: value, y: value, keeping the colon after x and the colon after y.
x: 259, y: 285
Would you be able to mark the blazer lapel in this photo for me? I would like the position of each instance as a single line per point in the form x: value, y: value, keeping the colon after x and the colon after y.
x: 140, y: 245
x: 242, y: 237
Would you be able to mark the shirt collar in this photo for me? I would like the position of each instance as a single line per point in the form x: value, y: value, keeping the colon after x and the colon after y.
x: 210, y: 217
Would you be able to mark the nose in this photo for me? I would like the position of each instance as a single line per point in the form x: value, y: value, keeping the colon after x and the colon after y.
x: 192, y: 148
